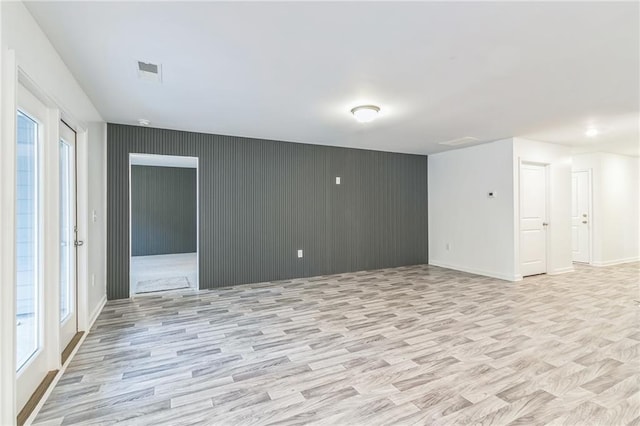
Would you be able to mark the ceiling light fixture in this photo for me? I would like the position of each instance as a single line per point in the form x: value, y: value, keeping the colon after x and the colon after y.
x: 365, y: 113
x: 143, y: 122
x: 591, y: 132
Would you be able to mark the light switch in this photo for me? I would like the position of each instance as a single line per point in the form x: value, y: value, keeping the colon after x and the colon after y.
x: 299, y: 253
x: 337, y: 180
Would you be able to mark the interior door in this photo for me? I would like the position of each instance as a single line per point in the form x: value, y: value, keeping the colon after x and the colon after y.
x: 68, y: 223
x: 580, y: 217
x: 533, y: 219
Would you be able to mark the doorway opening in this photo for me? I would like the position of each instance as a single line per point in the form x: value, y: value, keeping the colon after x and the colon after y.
x: 163, y: 223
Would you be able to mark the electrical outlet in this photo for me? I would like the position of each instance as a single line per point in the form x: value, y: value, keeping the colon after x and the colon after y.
x: 299, y: 253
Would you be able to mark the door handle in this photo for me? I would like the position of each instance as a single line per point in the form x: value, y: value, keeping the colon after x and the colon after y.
x: 545, y: 224
x: 78, y: 243
x: 584, y: 221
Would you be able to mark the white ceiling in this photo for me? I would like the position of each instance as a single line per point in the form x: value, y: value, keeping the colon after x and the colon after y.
x: 292, y: 71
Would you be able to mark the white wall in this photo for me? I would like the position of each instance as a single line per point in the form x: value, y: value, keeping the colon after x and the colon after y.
x: 39, y: 59
x: 558, y: 157
x: 97, y: 228
x: 615, y: 218
x: 478, y: 229
x: 39, y: 63
x: 619, y: 182
x: 482, y: 232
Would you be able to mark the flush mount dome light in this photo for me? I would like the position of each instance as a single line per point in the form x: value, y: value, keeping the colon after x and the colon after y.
x: 143, y: 122
x: 365, y: 113
x: 591, y: 132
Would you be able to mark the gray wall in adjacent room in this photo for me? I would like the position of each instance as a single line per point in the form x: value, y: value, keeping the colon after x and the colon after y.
x: 262, y: 200
x: 163, y: 210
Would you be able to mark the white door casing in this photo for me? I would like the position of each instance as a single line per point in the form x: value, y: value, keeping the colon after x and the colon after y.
x: 533, y: 219
x: 581, y: 216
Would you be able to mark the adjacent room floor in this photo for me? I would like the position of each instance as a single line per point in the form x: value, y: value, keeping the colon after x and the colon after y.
x: 407, y: 345
x: 163, y: 272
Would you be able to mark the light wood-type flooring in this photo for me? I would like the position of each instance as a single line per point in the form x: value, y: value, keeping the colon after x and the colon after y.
x: 409, y: 345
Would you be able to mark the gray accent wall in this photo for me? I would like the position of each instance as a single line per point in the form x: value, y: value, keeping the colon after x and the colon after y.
x: 163, y: 210
x: 262, y: 200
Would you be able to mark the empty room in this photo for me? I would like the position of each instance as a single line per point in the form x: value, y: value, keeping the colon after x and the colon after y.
x: 327, y: 213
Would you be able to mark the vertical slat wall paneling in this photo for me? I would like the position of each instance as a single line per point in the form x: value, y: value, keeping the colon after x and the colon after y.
x: 163, y: 210
x: 262, y: 200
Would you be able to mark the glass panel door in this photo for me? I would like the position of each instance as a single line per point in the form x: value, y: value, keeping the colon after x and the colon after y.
x: 68, y: 316
x: 66, y: 233
x: 32, y: 343
x: 27, y: 241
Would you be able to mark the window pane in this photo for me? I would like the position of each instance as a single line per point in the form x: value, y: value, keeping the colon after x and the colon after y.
x: 27, y: 285
x: 66, y: 237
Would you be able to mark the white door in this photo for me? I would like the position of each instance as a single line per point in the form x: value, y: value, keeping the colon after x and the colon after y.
x: 580, y: 217
x: 31, y: 342
x: 533, y: 219
x: 68, y: 311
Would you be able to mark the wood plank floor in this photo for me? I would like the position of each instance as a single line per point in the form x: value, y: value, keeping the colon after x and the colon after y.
x: 410, y: 345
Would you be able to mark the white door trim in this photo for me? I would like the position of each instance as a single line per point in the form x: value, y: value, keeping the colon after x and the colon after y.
x: 8, y: 86
x: 183, y: 161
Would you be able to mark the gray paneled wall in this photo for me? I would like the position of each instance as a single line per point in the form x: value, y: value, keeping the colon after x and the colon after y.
x: 163, y: 210
x: 262, y: 200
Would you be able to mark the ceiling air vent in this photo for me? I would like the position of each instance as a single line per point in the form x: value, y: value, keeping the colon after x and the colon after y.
x: 150, y: 72
x: 460, y: 141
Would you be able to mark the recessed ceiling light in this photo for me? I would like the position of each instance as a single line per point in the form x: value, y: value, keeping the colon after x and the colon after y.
x: 143, y: 122
x: 365, y: 113
x: 591, y: 132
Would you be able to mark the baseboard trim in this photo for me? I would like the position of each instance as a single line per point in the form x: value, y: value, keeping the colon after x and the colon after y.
x: 96, y: 312
x: 475, y: 271
x: 561, y: 271
x: 32, y: 406
x: 615, y: 262
x: 66, y: 353
x: 58, y: 376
